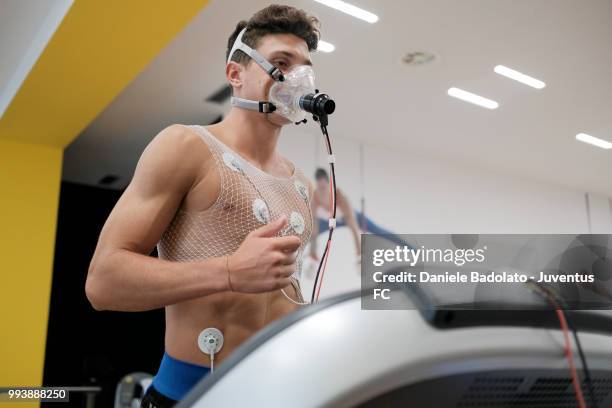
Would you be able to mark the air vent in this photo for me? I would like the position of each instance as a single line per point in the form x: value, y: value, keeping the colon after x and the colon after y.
x: 222, y: 95
x: 108, y: 180
x: 216, y: 120
x: 526, y: 388
x: 544, y: 392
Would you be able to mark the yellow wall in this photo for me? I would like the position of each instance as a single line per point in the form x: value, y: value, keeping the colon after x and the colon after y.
x: 30, y: 182
x: 98, y: 49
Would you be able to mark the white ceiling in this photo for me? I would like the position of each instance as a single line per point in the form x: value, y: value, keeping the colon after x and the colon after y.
x: 565, y: 43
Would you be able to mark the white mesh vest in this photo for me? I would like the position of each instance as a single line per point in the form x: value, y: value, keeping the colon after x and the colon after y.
x: 248, y: 199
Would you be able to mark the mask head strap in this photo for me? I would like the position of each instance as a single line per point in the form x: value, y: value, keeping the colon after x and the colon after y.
x: 263, y: 107
x: 274, y: 72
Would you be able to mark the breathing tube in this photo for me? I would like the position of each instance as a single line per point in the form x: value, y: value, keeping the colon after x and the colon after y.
x: 320, y: 115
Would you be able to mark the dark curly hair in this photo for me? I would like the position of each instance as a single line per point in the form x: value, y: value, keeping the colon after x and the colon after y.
x: 320, y: 173
x: 275, y: 19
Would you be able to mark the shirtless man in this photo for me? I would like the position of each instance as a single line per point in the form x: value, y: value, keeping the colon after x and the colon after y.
x: 229, y: 215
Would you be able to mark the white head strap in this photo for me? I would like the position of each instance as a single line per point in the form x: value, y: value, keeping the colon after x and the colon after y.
x: 260, y: 106
x: 274, y: 72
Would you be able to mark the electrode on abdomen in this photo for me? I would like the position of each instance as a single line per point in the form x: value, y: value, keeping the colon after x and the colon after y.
x: 210, y: 342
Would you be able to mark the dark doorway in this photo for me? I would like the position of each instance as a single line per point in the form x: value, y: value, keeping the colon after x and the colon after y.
x: 84, y: 346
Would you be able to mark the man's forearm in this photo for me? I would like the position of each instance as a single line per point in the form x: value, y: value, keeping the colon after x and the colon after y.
x: 129, y: 281
x: 356, y: 238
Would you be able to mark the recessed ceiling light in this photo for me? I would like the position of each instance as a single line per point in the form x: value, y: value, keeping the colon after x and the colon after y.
x: 595, y: 141
x: 350, y: 9
x: 418, y: 57
x: 473, y: 98
x: 325, y: 46
x: 519, y: 76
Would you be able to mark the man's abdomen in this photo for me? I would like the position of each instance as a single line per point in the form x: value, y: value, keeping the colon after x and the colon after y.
x: 238, y: 316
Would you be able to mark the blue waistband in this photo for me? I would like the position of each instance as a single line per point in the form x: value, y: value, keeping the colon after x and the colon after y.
x: 175, y: 378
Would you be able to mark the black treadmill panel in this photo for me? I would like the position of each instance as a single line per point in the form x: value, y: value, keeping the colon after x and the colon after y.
x: 498, y: 389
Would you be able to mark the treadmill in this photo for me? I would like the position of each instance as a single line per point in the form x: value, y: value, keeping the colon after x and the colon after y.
x: 336, y: 354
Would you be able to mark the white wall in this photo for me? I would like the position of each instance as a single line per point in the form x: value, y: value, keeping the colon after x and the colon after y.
x: 406, y: 193
x: 599, y: 210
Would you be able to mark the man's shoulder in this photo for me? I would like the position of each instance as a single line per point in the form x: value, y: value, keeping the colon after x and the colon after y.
x: 178, y: 141
x: 178, y: 132
x: 177, y: 147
